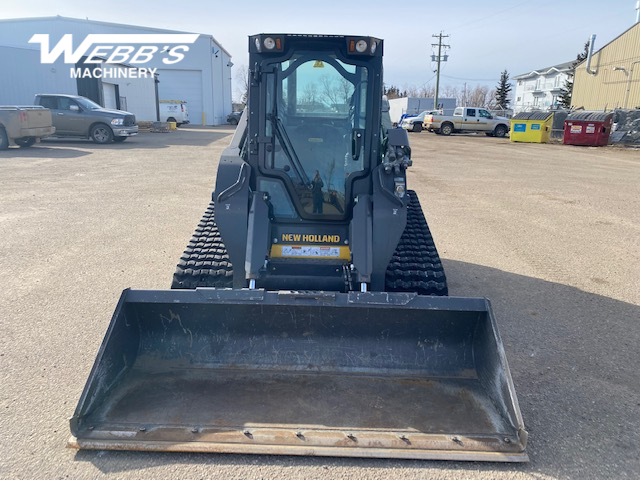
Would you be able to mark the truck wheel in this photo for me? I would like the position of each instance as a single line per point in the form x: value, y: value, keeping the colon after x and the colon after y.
x: 101, y: 133
x: 446, y: 129
x: 417, y: 127
x: 25, y: 142
x: 4, y: 140
x: 233, y: 121
x: 415, y: 265
x: 500, y: 131
x: 205, y: 262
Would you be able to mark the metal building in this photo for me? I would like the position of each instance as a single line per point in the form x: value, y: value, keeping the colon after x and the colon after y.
x: 610, y: 77
x: 202, y: 77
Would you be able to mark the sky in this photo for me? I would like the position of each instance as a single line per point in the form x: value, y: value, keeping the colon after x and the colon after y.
x: 486, y: 37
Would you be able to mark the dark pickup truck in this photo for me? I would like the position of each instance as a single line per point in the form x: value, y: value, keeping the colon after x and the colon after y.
x: 75, y: 116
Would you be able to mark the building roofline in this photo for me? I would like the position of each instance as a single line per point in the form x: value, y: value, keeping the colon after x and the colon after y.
x: 560, y: 68
x: 100, y: 22
x: 635, y: 25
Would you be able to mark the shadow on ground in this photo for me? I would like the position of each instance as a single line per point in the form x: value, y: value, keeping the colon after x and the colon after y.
x: 43, y: 150
x: 573, y: 357
x: 79, y: 147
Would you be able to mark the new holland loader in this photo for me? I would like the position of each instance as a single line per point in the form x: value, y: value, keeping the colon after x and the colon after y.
x: 310, y: 316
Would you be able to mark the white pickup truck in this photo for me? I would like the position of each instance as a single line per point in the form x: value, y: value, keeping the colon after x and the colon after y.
x: 24, y: 125
x: 467, y: 119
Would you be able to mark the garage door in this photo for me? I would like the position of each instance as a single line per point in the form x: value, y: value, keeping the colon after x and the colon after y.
x: 109, y: 95
x: 183, y: 85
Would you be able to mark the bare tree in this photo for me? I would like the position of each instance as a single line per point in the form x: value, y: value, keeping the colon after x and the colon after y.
x: 451, y: 92
x: 479, y: 96
x: 309, y: 94
x: 336, y: 92
x: 242, y: 83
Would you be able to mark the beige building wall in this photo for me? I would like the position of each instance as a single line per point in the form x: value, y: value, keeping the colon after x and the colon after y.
x: 614, y: 81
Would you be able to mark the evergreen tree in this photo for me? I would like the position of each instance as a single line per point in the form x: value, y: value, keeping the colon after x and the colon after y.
x: 564, y: 99
x: 392, y: 92
x: 502, y: 91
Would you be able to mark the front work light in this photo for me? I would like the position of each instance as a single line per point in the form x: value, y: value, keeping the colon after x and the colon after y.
x: 269, y: 43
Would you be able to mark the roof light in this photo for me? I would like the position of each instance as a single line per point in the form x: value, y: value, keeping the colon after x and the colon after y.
x: 374, y: 45
x: 361, y: 46
x: 269, y: 43
x: 258, y: 45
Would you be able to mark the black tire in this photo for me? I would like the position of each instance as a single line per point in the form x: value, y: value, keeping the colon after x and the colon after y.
x: 446, y: 129
x: 417, y: 127
x: 119, y: 139
x: 4, y: 140
x: 25, y: 142
x: 233, y: 121
x: 500, y: 131
x: 205, y: 262
x: 416, y: 265
x: 101, y: 133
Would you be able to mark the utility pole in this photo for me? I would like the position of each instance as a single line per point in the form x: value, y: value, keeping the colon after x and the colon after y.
x: 439, y: 58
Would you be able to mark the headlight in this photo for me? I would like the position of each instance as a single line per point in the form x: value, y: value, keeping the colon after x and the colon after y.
x: 361, y: 46
x: 269, y: 43
x: 117, y: 121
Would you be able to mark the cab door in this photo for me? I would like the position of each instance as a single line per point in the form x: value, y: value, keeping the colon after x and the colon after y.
x: 69, y: 118
x: 470, y: 119
x: 484, y: 120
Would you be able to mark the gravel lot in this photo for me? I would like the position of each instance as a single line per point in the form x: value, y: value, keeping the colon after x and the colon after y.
x: 549, y: 233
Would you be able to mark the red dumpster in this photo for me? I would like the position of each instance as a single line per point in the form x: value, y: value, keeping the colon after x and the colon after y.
x: 588, y: 128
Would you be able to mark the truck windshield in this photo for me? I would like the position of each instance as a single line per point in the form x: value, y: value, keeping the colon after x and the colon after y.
x: 316, y: 110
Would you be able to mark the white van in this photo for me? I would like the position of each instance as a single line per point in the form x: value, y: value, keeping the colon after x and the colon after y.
x: 174, y: 111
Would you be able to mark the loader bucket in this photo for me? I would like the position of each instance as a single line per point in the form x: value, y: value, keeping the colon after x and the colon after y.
x: 388, y: 375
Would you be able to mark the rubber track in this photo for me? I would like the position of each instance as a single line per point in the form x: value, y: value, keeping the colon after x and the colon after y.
x: 416, y: 265
x: 205, y: 262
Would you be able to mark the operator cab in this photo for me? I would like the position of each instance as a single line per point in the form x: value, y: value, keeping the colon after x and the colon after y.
x: 312, y: 111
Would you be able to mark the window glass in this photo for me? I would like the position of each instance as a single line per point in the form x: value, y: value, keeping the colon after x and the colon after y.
x: 49, y: 102
x: 316, y: 113
x: 471, y: 112
x: 65, y: 103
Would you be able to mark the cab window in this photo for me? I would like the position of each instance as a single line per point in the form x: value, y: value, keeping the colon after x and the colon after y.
x: 49, y: 102
x: 316, y: 105
x: 65, y: 103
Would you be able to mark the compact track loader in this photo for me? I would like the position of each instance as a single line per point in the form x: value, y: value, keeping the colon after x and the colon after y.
x: 309, y: 313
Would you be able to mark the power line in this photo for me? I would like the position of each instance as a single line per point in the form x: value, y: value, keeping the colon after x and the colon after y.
x: 470, y: 79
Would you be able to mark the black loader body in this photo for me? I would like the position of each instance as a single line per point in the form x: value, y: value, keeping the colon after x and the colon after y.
x: 309, y: 313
